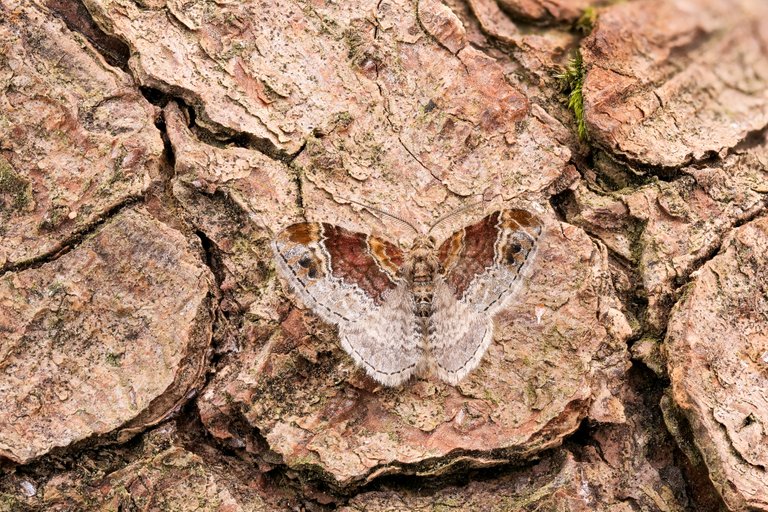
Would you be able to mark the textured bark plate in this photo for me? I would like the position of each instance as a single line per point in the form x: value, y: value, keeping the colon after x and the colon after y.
x: 113, y: 315
x: 373, y: 76
x: 254, y: 183
x: 717, y: 346
x: 272, y: 71
x: 115, y: 330
x: 77, y: 138
x: 441, y: 122
x: 668, y: 82
x: 545, y: 11
x: 432, y: 119
x: 625, y: 467
x: 159, y: 474
x: 232, y: 195
x: 670, y: 227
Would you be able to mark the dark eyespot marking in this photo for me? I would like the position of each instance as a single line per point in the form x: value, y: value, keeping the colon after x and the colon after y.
x: 305, y: 261
x: 312, y: 272
x: 513, y: 251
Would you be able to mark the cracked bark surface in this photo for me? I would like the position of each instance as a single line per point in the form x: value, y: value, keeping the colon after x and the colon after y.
x: 669, y: 83
x: 317, y: 411
x: 623, y: 466
x: 77, y: 138
x: 669, y: 228
x: 105, y: 337
x: 545, y: 11
x: 149, y: 358
x: 718, y: 387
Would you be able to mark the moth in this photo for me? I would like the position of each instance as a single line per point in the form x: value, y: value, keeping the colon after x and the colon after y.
x: 402, y: 312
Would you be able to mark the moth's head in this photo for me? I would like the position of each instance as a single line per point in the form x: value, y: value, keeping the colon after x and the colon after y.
x: 423, y: 242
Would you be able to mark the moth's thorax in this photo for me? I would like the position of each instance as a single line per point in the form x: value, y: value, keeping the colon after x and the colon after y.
x: 422, y: 270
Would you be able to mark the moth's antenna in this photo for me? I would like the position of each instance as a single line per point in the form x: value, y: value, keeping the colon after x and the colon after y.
x: 455, y: 212
x: 372, y: 208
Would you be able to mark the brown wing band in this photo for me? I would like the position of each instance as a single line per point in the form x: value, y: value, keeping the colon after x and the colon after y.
x: 351, y: 259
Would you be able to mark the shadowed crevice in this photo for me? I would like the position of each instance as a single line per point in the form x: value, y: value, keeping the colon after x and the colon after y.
x: 77, y: 18
x: 73, y: 240
x: 702, y: 492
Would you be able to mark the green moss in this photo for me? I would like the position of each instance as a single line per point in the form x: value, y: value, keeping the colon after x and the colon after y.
x: 270, y: 92
x: 586, y: 21
x: 9, y: 503
x: 678, y: 425
x: 363, y: 55
x: 490, y: 397
x: 355, y: 44
x: 447, y: 505
x: 571, y: 83
x: 235, y: 50
x: 55, y: 288
x: 393, y: 436
x: 14, y: 186
x: 343, y: 119
x: 53, y: 218
x: 377, y: 153
x: 114, y: 359
x: 306, y: 461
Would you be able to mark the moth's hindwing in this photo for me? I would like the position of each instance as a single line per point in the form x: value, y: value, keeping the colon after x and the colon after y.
x: 484, y: 266
x: 352, y: 280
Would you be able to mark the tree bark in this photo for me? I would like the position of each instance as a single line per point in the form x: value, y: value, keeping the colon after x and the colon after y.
x: 150, y: 151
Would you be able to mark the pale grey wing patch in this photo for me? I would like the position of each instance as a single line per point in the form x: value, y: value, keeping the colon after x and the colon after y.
x: 462, y: 330
x: 386, y: 341
x: 498, y: 286
x: 329, y: 298
x: 459, y: 335
x: 382, y: 338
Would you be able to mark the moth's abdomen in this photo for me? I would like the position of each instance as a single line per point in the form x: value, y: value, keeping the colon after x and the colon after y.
x: 423, y: 300
x: 423, y: 281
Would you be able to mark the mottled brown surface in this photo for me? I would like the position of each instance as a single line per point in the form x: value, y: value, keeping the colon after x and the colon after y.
x: 318, y: 411
x: 546, y: 11
x: 669, y: 82
x: 669, y: 227
x: 91, y: 339
x: 626, y: 467
x: 159, y: 474
x: 126, y: 262
x: 76, y: 137
x: 717, y: 349
x: 436, y: 126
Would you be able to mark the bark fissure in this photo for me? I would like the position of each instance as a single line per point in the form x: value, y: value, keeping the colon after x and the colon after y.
x: 73, y: 240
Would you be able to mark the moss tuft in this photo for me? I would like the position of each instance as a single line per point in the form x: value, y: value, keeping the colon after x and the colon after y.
x: 343, y: 119
x: 16, y: 188
x: 586, y: 21
x: 114, y: 359
x: 571, y: 83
